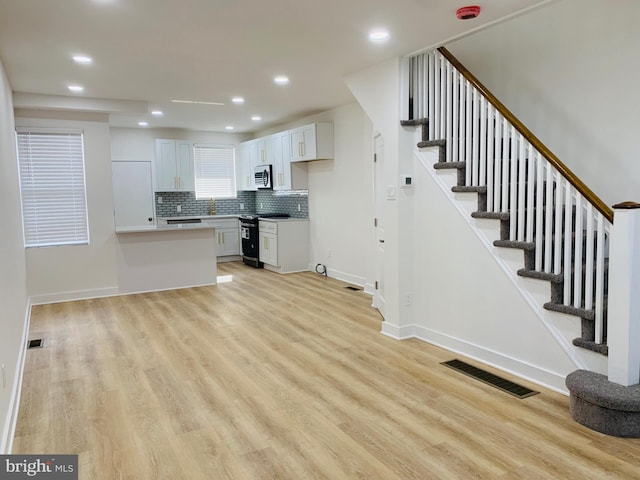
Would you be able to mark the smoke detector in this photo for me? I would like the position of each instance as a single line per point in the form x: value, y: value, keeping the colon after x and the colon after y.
x: 467, y: 13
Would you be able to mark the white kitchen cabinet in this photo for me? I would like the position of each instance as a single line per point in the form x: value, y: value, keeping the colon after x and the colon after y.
x: 264, y: 155
x: 132, y: 194
x: 227, y: 237
x: 284, y: 244
x: 173, y: 166
x: 268, y: 242
x: 248, y: 159
x: 312, y: 142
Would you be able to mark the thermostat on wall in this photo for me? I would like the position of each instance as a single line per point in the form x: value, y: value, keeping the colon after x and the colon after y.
x: 406, y: 181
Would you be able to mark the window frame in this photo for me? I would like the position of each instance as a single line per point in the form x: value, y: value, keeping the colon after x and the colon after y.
x: 41, y: 194
x: 232, y: 180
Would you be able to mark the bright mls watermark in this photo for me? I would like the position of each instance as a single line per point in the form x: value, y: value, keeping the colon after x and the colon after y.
x: 51, y: 467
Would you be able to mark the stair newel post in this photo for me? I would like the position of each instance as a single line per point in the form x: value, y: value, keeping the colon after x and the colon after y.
x: 623, y: 335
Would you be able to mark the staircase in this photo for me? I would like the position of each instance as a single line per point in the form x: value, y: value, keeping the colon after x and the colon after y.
x: 542, y: 207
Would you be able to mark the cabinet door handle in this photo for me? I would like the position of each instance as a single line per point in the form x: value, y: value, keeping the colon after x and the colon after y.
x: 300, y: 149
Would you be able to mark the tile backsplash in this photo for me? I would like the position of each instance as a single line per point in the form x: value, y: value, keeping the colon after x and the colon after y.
x: 264, y: 201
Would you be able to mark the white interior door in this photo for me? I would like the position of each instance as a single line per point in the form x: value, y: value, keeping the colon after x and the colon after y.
x: 132, y: 194
x: 378, y: 173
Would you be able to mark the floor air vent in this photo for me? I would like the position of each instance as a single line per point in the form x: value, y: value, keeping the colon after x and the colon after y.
x: 355, y: 289
x: 38, y: 343
x: 490, y: 379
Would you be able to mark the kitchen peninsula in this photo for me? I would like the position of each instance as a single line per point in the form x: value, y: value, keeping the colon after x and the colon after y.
x: 164, y: 257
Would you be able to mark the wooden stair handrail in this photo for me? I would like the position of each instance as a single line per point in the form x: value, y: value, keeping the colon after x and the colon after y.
x: 531, y: 138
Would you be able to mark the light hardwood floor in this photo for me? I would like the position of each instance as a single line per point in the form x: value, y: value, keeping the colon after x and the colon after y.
x: 281, y: 377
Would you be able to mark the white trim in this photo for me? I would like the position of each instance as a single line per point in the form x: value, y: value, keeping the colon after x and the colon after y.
x: 369, y: 288
x: 11, y: 420
x: 346, y: 277
x: 397, y: 332
x: 527, y: 371
x: 73, y: 295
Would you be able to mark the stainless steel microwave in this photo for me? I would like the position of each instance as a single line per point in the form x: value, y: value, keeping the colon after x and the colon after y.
x: 263, y: 176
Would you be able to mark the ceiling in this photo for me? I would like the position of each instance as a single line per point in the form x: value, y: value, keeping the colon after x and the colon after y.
x: 149, y: 52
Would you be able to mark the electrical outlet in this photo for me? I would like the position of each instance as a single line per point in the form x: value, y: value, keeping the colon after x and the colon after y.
x: 328, y: 253
x: 408, y: 299
x: 160, y: 200
x: 179, y: 208
x: 242, y: 206
x: 299, y: 207
x: 260, y: 204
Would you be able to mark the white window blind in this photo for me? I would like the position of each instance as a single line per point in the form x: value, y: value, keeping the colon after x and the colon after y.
x: 214, y: 171
x: 52, y: 187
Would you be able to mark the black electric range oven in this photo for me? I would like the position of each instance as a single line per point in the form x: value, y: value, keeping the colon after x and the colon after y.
x: 249, y: 234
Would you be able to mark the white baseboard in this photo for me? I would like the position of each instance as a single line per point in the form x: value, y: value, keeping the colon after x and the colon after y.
x: 533, y: 373
x: 6, y: 441
x: 73, y: 295
x: 346, y: 277
x: 370, y: 288
x: 397, y: 332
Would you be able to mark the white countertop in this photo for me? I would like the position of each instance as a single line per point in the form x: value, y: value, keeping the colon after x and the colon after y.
x: 164, y: 228
x: 202, y: 217
x: 290, y: 219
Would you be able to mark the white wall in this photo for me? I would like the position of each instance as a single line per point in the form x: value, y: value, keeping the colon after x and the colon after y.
x: 469, y: 304
x: 569, y: 71
x: 78, y: 271
x: 13, y: 286
x: 377, y: 90
x: 341, y: 197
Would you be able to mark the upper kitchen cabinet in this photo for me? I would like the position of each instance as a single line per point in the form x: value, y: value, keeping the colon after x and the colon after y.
x: 312, y: 142
x: 286, y: 176
x: 263, y: 151
x: 247, y: 160
x: 174, y: 166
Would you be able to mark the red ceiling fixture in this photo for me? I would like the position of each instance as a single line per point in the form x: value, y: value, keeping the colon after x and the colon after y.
x: 466, y: 13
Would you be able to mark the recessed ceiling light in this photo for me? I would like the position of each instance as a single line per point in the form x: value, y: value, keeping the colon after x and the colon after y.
x: 83, y: 59
x: 157, y: 113
x: 281, y: 79
x: 229, y: 127
x: 237, y: 100
x: 143, y: 124
x: 256, y: 118
x: 76, y: 88
x: 197, y: 102
x: 379, y: 35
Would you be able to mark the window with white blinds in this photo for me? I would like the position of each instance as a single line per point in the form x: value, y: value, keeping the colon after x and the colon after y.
x: 52, y: 187
x: 214, y: 171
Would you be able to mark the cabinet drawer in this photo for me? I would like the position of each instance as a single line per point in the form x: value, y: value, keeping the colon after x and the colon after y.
x: 267, y: 227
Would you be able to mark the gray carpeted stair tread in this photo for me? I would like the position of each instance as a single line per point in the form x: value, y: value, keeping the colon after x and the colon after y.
x: 529, y: 246
x: 415, y: 122
x: 492, y: 215
x: 578, y: 312
x: 549, y: 277
x: 432, y: 143
x: 600, y: 348
x: 463, y: 189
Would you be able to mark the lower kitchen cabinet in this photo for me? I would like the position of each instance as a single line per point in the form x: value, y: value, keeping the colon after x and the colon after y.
x: 284, y: 244
x: 227, y: 237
